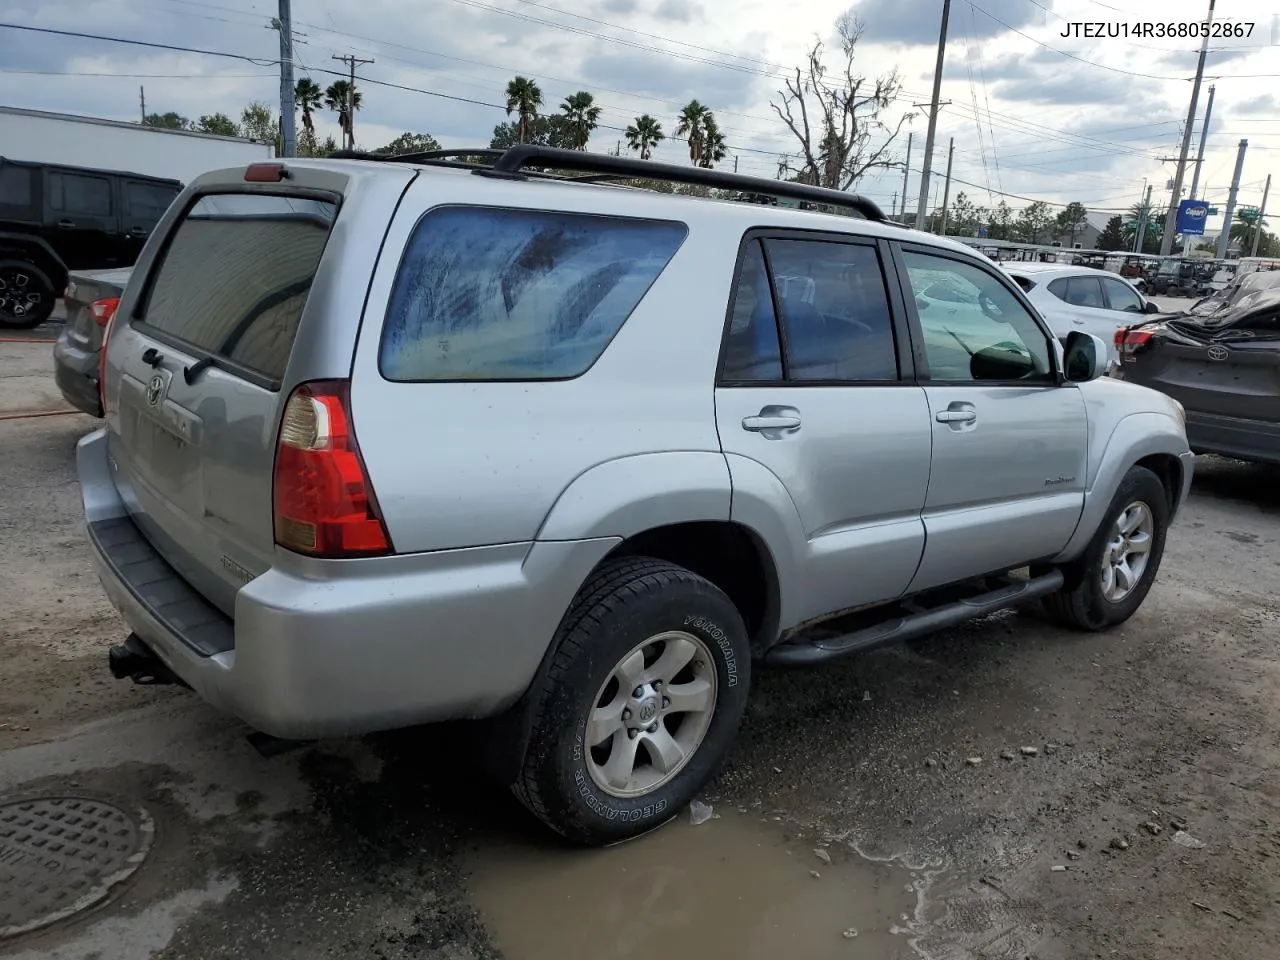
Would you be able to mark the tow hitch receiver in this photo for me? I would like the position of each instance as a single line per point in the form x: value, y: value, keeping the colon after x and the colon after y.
x: 134, y: 661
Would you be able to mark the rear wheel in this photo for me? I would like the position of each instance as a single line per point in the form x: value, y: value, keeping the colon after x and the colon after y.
x: 645, y: 691
x: 1109, y: 581
x: 26, y: 295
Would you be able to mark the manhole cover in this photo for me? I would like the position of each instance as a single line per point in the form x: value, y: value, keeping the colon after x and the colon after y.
x: 61, y: 855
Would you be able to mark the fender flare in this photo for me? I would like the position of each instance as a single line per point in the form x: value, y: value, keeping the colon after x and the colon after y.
x: 60, y: 269
x: 628, y: 495
x: 1135, y: 437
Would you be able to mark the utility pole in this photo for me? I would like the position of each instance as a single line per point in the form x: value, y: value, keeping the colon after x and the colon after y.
x: 1142, y: 221
x: 906, y: 172
x: 351, y: 62
x: 142, y: 101
x: 1224, y: 238
x: 288, y: 119
x: 735, y: 158
x: 946, y: 190
x: 1171, y: 220
x: 933, y: 116
x: 893, y: 210
x: 1262, y: 212
x: 1195, y: 177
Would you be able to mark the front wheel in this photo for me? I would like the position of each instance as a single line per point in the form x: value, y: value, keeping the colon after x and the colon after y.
x: 1109, y: 581
x: 26, y: 295
x: 645, y: 691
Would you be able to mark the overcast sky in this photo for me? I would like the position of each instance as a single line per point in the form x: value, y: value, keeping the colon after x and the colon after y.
x: 1034, y: 115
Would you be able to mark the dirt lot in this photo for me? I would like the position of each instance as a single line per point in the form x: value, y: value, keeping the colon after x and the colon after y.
x: 391, y: 847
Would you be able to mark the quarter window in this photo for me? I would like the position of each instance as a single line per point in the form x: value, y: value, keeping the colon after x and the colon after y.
x: 496, y: 294
x: 974, y: 328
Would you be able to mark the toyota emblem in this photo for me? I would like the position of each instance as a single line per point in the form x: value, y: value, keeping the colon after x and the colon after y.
x: 1217, y: 352
x: 154, y: 389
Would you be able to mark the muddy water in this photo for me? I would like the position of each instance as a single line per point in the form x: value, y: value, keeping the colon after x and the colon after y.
x: 731, y: 887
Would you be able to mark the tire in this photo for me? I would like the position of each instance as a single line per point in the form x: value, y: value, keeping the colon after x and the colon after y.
x: 1083, y: 602
x: 20, y: 282
x: 624, y: 605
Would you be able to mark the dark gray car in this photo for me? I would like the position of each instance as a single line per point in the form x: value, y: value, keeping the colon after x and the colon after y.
x: 1224, y: 368
x: 91, y: 299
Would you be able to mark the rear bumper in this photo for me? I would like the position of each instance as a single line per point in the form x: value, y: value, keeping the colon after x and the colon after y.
x: 343, y: 647
x: 76, y: 372
x: 1241, y: 439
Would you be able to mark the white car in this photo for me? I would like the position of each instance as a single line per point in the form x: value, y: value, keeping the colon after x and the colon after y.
x: 1080, y: 298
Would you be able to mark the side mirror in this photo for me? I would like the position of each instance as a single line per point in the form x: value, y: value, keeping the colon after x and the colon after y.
x: 1151, y: 308
x: 1085, y: 358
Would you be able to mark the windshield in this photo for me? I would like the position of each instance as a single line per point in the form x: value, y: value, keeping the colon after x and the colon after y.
x: 1169, y: 268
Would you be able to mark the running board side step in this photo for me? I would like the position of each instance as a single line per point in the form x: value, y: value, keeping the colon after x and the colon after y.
x: 909, y: 626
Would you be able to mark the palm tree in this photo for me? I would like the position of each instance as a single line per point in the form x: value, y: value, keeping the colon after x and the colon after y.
x: 523, y: 99
x: 645, y: 134
x: 692, y: 126
x: 582, y: 116
x: 335, y: 98
x: 307, y: 97
x: 714, y: 148
x: 1242, y: 230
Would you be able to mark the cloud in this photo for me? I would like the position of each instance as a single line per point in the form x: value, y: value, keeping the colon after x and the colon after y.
x: 1265, y: 103
x: 917, y: 22
x: 1046, y: 78
x: 679, y: 11
x: 619, y: 6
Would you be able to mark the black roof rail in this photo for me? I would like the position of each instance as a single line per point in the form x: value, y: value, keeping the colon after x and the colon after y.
x: 515, y: 159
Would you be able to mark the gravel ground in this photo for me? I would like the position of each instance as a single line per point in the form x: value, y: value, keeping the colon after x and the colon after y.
x: 389, y: 847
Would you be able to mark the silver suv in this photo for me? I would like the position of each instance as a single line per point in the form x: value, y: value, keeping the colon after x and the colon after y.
x: 395, y: 442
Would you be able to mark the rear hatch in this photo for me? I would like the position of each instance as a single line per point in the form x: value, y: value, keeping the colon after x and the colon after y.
x: 200, y: 368
x: 1231, y: 372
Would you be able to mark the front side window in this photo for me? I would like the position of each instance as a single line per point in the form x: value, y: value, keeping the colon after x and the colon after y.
x: 974, y: 327
x: 147, y: 202
x: 236, y: 275
x: 1121, y: 296
x: 497, y: 294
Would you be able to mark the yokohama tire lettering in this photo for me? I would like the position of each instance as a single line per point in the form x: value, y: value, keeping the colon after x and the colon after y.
x: 713, y: 630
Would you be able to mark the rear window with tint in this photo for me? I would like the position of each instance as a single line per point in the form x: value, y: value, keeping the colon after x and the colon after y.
x: 493, y: 294
x: 236, y: 277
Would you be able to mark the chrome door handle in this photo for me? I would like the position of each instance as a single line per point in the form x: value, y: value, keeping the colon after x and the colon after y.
x: 757, y: 424
x: 956, y: 416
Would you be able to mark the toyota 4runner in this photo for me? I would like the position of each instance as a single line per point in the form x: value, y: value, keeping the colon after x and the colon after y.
x: 394, y: 442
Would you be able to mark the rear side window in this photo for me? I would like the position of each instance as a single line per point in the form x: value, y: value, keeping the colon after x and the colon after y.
x: 16, y: 191
x: 77, y: 193
x: 494, y: 294
x: 236, y: 275
x: 1079, y: 292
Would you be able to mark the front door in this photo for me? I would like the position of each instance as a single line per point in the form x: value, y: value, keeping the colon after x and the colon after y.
x: 1009, y: 441
x: 143, y: 203
x: 815, y: 395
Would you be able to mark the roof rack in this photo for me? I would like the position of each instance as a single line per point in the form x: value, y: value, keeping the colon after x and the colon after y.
x: 529, y: 160
x: 515, y: 160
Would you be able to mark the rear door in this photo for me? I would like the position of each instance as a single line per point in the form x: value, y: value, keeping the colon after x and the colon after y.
x: 143, y: 203
x: 816, y: 386
x: 197, y: 378
x: 83, y: 209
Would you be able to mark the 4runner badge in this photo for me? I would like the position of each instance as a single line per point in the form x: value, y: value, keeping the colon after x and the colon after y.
x: 154, y: 389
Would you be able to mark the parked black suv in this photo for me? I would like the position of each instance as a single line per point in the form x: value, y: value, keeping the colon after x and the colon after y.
x: 54, y: 219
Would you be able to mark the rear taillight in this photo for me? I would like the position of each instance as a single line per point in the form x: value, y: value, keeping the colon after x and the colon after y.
x: 1129, y: 342
x: 324, y: 503
x: 102, y: 352
x: 103, y: 310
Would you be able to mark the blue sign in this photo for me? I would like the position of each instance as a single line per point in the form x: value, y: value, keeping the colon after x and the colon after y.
x: 1191, y: 217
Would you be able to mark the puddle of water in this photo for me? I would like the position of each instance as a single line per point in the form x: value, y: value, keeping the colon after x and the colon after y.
x: 732, y: 887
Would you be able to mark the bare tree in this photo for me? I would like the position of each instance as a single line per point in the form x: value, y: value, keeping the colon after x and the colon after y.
x: 835, y: 116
